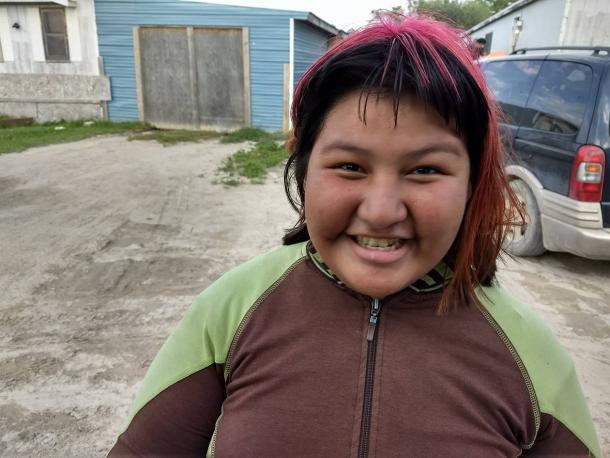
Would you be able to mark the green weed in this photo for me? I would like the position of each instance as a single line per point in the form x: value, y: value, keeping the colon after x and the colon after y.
x: 19, y: 138
x: 251, y: 165
x: 171, y: 137
x: 252, y: 134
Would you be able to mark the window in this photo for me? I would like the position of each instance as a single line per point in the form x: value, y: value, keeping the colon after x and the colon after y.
x: 54, y: 34
x: 559, y: 98
x: 511, y: 82
x: 488, y: 37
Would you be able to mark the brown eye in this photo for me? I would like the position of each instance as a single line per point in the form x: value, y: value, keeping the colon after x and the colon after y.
x: 425, y: 171
x: 350, y: 167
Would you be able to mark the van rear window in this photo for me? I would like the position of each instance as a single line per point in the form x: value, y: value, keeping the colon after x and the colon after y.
x: 559, y: 98
x: 511, y: 82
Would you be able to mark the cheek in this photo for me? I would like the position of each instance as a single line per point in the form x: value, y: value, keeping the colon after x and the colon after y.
x: 440, y: 211
x: 329, y: 205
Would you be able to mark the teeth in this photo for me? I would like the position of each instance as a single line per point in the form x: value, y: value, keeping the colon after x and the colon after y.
x: 378, y: 244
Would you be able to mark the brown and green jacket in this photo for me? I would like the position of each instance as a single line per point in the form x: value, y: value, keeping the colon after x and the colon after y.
x: 278, y: 359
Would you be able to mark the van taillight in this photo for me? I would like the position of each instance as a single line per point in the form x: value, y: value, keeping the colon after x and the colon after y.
x: 588, y: 174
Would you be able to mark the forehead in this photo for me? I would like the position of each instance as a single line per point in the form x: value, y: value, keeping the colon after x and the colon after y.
x: 382, y: 121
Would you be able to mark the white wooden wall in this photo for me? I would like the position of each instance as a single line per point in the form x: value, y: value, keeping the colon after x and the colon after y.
x: 587, y: 23
x: 542, y: 22
x: 23, y: 48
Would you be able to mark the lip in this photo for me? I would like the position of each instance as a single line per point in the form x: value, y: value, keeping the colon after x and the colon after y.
x: 380, y: 256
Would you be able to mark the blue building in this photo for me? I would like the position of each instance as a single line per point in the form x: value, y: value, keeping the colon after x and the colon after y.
x: 181, y: 63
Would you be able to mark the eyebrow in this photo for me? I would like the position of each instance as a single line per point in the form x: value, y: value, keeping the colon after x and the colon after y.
x: 442, y: 147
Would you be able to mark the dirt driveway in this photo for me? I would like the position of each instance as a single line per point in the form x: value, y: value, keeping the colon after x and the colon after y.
x: 105, y: 242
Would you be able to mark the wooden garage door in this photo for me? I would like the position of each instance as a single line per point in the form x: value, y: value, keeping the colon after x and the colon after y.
x: 193, y: 77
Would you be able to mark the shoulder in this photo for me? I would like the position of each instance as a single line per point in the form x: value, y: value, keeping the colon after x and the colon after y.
x: 543, y: 361
x: 243, y: 285
x: 220, y: 308
x: 204, y: 335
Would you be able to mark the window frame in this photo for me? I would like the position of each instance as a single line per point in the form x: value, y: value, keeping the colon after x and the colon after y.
x: 42, y: 11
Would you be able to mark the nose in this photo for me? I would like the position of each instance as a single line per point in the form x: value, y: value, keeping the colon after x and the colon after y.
x: 382, y: 205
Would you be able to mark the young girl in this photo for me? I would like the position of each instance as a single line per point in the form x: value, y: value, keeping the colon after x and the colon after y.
x: 378, y: 329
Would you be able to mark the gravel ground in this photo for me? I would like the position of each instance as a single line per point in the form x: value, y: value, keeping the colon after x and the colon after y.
x: 105, y: 242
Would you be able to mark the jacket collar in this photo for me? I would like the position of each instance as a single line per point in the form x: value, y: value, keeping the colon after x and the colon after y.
x: 433, y: 281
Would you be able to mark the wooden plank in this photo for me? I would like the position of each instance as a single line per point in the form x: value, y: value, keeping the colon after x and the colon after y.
x: 180, y: 28
x: 138, y: 65
x: 194, y: 87
x: 35, y: 32
x: 6, y: 40
x: 164, y: 28
x: 286, y: 117
x: 220, y: 75
x: 246, y: 56
x: 103, y: 103
x: 165, y: 75
x: 47, y: 100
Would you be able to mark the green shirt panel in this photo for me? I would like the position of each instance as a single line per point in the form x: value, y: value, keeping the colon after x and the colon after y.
x: 549, y: 367
x: 204, y: 336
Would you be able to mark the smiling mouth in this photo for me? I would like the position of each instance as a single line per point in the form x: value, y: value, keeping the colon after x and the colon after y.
x: 381, y: 244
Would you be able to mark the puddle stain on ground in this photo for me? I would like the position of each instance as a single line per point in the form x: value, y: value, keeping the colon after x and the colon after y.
x: 8, y: 183
x: 128, y: 277
x: 13, y: 195
x: 129, y: 263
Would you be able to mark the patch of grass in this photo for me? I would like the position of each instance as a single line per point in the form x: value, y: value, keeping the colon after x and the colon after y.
x: 279, y: 136
x: 3, y: 116
x: 252, y: 164
x: 171, y: 137
x: 252, y: 134
x: 19, y: 138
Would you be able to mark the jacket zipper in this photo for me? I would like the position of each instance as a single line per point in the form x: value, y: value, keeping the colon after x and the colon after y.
x: 367, y: 404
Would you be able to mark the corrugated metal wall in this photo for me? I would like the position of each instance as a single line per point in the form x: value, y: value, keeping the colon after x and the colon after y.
x: 269, y: 48
x: 309, y: 44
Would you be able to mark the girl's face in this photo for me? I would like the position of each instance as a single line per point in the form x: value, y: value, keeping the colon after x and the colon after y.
x: 383, y: 204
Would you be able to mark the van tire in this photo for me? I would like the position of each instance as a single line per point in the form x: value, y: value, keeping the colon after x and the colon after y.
x: 525, y: 240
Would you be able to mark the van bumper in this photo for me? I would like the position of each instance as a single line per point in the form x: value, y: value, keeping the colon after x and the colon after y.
x: 574, y: 227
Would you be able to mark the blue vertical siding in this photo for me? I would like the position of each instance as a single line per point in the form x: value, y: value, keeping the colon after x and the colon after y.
x: 309, y: 44
x: 269, y: 32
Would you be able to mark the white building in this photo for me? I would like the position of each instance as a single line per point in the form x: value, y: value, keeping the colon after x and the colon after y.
x: 538, y: 23
x: 49, y: 60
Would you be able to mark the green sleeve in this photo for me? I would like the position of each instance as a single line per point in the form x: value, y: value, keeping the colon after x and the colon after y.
x: 548, y: 370
x: 204, y: 336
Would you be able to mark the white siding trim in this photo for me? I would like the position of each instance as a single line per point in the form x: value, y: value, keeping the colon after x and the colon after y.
x: 35, y: 30
x: 73, y: 29
x: 5, y: 36
x: 92, y: 39
x: 66, y: 3
x: 291, y: 81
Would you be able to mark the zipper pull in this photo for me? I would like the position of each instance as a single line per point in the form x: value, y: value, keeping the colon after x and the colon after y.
x: 375, y: 307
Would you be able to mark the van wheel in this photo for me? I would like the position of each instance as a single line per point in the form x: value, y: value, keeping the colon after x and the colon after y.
x: 524, y: 238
